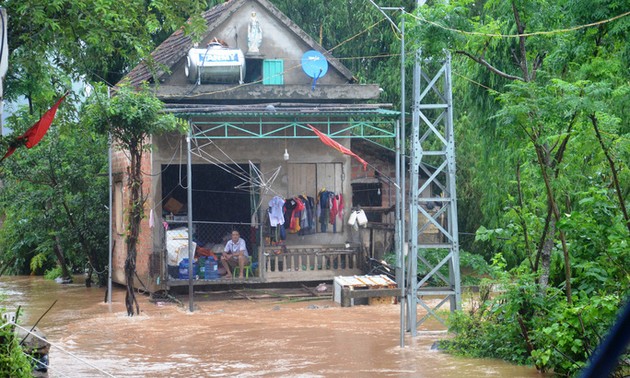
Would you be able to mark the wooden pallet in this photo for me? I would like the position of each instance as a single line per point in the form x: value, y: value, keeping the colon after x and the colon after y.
x: 354, y: 287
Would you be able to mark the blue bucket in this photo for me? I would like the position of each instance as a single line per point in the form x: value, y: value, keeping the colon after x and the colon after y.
x: 212, y: 270
x: 184, y: 269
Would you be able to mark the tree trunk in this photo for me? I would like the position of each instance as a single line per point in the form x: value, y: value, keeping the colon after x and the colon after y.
x: 613, y: 171
x: 519, y: 212
x: 545, y: 162
x: 136, y: 204
x: 84, y: 244
x: 65, y: 273
x: 545, y: 256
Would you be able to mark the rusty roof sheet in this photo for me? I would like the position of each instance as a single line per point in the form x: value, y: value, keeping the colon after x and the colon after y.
x: 171, y: 50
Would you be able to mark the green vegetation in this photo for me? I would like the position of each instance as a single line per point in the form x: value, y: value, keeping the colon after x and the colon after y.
x: 53, y: 273
x: 543, y: 136
x: 131, y: 118
x: 13, y: 361
x: 54, y: 196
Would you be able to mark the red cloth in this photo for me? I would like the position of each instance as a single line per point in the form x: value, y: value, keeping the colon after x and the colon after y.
x: 340, y: 206
x: 333, y: 209
x: 200, y: 251
x: 36, y: 132
x: 295, y: 215
x: 329, y: 142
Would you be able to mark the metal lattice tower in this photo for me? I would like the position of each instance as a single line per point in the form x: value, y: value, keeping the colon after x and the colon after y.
x: 433, y: 218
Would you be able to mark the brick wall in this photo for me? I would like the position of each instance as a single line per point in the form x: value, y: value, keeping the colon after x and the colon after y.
x: 120, y: 165
x: 382, y: 166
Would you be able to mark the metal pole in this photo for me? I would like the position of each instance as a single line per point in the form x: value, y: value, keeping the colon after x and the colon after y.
x: 455, y: 278
x: 400, y: 175
x: 416, y: 157
x: 111, y: 215
x: 403, y: 302
x: 191, y: 271
x: 400, y: 265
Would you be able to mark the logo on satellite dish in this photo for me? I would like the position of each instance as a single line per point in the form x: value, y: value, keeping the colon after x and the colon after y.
x: 314, y: 65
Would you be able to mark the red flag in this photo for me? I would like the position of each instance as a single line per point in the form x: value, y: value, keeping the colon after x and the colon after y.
x: 329, y: 142
x: 10, y: 152
x: 36, y: 132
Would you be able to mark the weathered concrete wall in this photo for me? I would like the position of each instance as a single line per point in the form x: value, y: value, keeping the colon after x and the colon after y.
x: 221, y: 93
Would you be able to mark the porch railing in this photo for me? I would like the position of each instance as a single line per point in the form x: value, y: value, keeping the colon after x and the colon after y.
x: 310, y: 262
x: 286, y: 263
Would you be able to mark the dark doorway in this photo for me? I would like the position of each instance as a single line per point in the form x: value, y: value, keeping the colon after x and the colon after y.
x: 217, y: 207
x: 368, y: 195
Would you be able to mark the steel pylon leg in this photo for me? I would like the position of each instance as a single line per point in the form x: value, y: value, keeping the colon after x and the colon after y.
x: 433, y: 260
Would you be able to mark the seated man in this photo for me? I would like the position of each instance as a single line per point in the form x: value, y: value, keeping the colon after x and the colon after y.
x: 235, y: 252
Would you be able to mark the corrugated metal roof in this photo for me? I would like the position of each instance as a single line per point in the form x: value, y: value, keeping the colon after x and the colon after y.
x: 345, y: 113
x: 281, y: 111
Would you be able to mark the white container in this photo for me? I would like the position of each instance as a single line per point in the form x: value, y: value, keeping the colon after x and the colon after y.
x: 362, y: 218
x: 216, y: 64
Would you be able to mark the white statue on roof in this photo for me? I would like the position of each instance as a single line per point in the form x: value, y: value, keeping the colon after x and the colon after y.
x: 254, y: 35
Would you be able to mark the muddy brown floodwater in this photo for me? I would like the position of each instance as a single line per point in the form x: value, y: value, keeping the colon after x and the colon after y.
x: 225, y: 338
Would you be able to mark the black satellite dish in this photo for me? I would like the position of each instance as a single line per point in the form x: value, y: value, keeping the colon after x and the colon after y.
x: 314, y: 65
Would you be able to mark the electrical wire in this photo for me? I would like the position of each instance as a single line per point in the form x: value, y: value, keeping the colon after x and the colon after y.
x: 495, y: 35
x: 54, y: 345
x: 243, y: 175
x: 289, y: 69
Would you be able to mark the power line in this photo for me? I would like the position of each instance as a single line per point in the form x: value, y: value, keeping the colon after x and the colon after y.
x: 288, y: 69
x: 550, y: 32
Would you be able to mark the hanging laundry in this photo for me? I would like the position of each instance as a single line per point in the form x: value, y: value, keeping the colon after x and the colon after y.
x: 289, y: 205
x: 333, y: 210
x: 340, y: 206
x: 274, y: 233
x: 275, y: 211
x: 307, y: 220
x: 292, y: 212
x: 324, y: 209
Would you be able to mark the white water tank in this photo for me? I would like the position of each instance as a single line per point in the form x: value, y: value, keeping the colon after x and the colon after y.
x: 216, y: 64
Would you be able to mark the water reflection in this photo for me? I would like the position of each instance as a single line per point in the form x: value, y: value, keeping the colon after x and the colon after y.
x: 231, y: 338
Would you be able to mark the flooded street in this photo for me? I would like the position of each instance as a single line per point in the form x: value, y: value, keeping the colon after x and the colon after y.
x: 238, y: 337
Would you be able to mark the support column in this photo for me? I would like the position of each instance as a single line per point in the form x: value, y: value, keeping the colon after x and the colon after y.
x: 433, y: 202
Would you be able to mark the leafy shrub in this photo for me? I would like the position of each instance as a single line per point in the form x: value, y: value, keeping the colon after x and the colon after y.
x: 473, y: 266
x: 521, y: 324
x: 13, y: 361
x: 500, y: 326
x: 53, y: 273
x: 572, y: 333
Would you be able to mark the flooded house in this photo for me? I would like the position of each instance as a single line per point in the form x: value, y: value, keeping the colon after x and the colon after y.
x: 270, y: 113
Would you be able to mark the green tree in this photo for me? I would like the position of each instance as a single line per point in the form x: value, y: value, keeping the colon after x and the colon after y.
x: 90, y: 41
x: 543, y: 107
x: 97, y: 40
x: 131, y: 117
x: 358, y: 34
x: 52, y: 194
